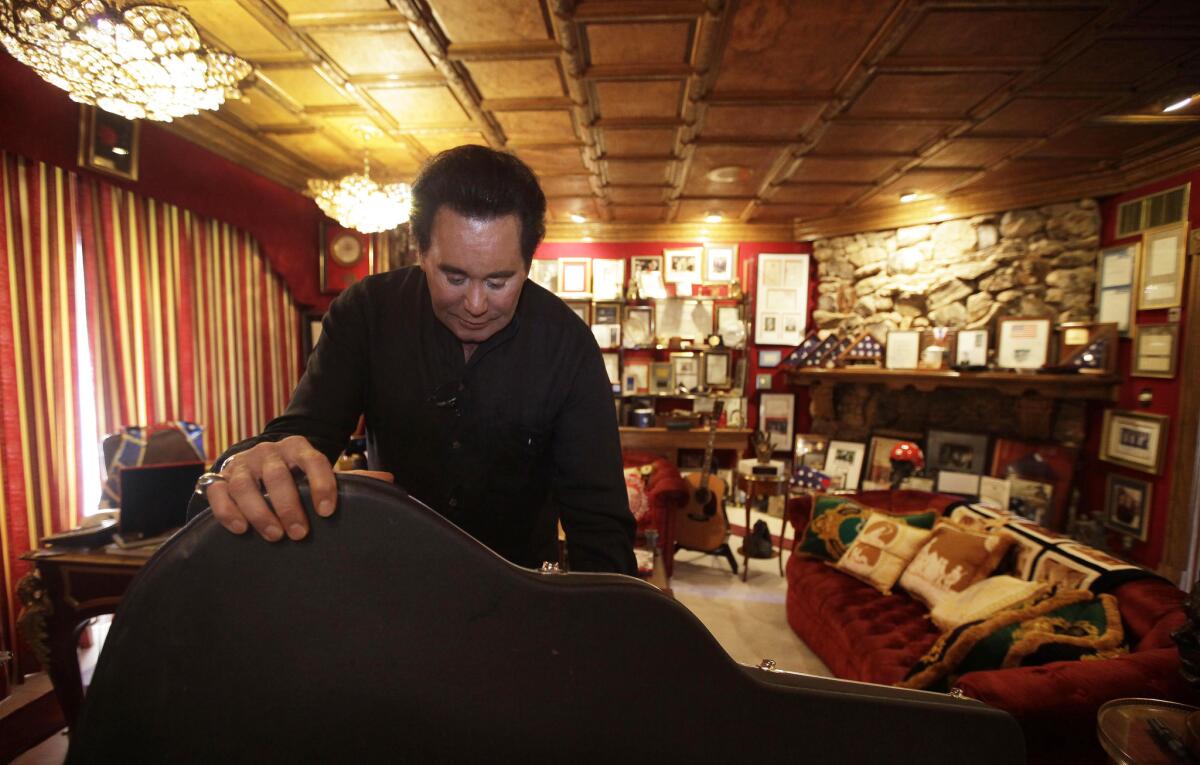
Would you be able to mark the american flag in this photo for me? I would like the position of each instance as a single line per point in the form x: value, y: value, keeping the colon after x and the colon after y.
x: 810, y: 478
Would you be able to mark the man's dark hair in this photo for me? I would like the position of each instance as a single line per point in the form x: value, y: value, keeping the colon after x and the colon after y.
x: 480, y: 183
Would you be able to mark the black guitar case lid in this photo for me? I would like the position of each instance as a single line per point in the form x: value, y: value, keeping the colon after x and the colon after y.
x: 389, y: 635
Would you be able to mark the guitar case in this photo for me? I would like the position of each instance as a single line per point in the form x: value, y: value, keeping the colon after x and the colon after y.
x: 389, y: 635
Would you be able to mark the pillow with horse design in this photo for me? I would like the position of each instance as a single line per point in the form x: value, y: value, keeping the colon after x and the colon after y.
x: 836, y: 521
x: 952, y: 559
x: 881, y: 551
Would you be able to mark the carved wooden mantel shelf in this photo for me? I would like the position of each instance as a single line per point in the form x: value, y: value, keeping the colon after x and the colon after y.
x: 1058, y: 386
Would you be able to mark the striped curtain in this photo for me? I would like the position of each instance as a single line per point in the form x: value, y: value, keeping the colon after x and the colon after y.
x: 185, y: 321
x: 40, y: 470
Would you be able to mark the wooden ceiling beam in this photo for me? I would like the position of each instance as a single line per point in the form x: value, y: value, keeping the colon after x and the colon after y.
x: 1145, y: 119
x: 525, y: 104
x: 950, y: 65
x: 388, y: 20
x: 767, y: 98
x: 397, y: 81
x: 508, y: 50
x: 641, y: 10
x: 648, y: 72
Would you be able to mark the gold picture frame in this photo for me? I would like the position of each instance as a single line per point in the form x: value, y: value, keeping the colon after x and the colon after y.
x: 109, y: 143
x: 1160, y: 276
x: 1135, y: 440
x: 1155, y: 350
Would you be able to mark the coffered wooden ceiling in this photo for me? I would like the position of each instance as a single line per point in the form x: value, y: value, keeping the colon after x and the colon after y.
x: 804, y: 117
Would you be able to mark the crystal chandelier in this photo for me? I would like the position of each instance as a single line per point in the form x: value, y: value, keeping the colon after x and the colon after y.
x: 360, y: 203
x: 138, y: 61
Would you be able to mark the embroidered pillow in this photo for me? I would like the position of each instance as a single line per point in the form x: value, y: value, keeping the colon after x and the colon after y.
x: 984, y: 598
x: 836, y: 521
x: 951, y: 560
x: 639, y: 503
x: 881, y: 551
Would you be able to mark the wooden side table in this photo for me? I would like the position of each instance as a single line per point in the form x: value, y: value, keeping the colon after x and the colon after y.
x: 757, y: 487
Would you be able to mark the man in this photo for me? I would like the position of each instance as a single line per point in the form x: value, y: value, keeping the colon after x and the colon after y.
x: 483, y: 393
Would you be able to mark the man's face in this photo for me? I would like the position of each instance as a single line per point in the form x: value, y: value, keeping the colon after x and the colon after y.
x: 475, y: 273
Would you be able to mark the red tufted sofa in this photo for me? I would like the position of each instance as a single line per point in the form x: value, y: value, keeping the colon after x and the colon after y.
x: 863, y: 635
x: 667, y: 491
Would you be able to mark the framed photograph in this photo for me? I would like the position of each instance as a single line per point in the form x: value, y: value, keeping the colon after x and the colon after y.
x: 1114, y: 285
x: 1032, y: 499
x: 730, y: 326
x: 994, y: 491
x: 608, y: 278
x: 810, y: 450
x: 763, y: 381
x: 903, y: 349
x: 612, y: 364
x: 1127, y: 505
x: 1022, y: 343
x: 637, y: 377
x: 582, y: 309
x: 776, y: 413
x: 346, y: 256
x: 686, y: 371
x: 971, y: 348
x: 606, y: 324
x: 312, y: 331
x: 684, y: 318
x: 717, y: 370
x: 936, y: 348
x: 1160, y: 280
x: 1047, y: 463
x: 878, y: 473
x: 1154, y: 350
x: 961, y: 452
x: 682, y: 265
x: 660, y: 377
x: 768, y: 358
x: 1134, y: 439
x: 637, y: 326
x: 544, y: 273
x: 574, y: 276
x: 844, y: 463
x: 643, y: 264
x: 781, y: 299
x: 108, y: 143
x: 720, y: 263
x: 954, y: 482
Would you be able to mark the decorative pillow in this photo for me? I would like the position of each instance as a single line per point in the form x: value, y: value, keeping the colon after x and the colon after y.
x: 881, y: 551
x: 984, y: 598
x: 969, y: 517
x: 1058, y: 627
x: 836, y: 521
x: 639, y: 503
x: 951, y: 560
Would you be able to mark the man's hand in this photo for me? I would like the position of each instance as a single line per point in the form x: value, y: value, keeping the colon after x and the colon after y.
x: 238, y: 503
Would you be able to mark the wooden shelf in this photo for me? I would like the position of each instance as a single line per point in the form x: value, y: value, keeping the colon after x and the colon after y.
x: 1096, y: 387
x: 668, y: 442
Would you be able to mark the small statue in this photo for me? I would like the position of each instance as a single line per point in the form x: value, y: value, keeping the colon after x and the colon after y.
x: 761, y: 443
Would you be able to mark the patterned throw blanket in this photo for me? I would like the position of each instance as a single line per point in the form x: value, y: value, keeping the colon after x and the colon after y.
x: 1056, y: 626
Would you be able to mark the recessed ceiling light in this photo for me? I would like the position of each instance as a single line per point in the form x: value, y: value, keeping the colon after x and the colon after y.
x: 577, y: 218
x: 1179, y: 104
x: 908, y: 196
x: 713, y: 217
x: 728, y: 174
x: 587, y: 239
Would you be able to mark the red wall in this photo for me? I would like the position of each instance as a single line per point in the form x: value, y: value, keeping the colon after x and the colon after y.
x: 38, y: 121
x: 748, y: 253
x: 1166, y: 392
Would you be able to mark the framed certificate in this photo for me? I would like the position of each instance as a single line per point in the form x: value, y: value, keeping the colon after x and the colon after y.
x: 716, y: 370
x: 1154, y: 350
x: 1161, y: 277
x: 574, y: 276
x: 1022, y: 343
x: 972, y: 348
x: 686, y: 371
x: 781, y: 300
x: 1114, y: 285
x: 608, y: 278
x: 903, y: 349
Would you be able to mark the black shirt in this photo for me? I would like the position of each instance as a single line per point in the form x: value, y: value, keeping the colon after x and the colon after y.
x: 503, y: 444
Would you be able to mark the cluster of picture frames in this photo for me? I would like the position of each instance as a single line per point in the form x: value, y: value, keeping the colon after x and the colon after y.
x: 683, y: 373
x: 604, y: 278
x: 1021, y: 344
x: 671, y: 323
x: 1033, y: 480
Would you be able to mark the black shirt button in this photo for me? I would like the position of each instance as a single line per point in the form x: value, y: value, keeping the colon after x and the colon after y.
x: 453, y: 502
x: 456, y: 446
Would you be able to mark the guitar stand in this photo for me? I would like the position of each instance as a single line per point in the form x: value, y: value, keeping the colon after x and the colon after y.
x: 724, y: 551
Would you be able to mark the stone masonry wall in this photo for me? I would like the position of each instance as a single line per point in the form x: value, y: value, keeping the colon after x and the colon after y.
x: 962, y: 273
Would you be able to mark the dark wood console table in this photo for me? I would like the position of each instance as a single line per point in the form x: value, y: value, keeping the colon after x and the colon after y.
x: 668, y: 442
x: 63, y: 591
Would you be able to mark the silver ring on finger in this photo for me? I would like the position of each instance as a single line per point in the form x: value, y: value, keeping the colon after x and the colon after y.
x: 208, y: 479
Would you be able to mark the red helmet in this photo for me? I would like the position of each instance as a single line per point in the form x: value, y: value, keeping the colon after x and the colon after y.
x: 907, y: 451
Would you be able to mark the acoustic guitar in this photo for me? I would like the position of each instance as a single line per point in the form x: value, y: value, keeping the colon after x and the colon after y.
x: 701, y: 524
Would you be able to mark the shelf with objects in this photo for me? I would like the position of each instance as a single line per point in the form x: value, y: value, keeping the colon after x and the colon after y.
x: 1028, y: 356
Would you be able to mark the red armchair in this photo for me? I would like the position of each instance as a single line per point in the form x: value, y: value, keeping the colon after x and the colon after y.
x: 666, y: 491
